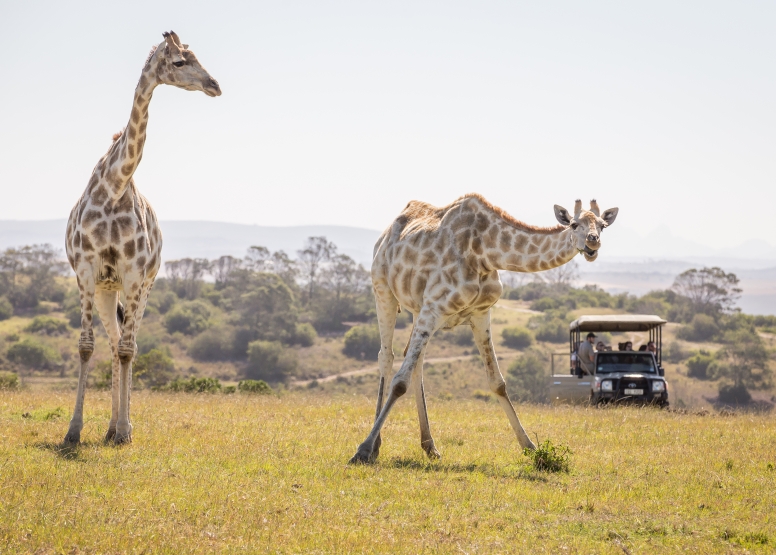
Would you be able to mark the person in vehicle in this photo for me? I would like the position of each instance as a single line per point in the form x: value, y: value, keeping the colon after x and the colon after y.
x: 651, y: 347
x: 600, y: 346
x: 586, y: 354
x: 642, y: 348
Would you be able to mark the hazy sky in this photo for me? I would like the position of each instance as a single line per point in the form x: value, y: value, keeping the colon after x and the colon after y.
x: 341, y: 112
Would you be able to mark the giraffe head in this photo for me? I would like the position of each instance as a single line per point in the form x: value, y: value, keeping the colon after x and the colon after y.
x: 176, y: 65
x: 586, y: 226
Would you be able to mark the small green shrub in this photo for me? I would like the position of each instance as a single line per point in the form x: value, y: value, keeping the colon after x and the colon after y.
x: 362, y: 342
x: 268, y: 360
x: 193, y: 385
x: 190, y: 318
x: 549, y: 458
x: 482, y: 395
x: 305, y: 334
x: 34, y: 355
x: 9, y: 380
x: 459, y: 335
x: 210, y: 345
x: 229, y: 389
x: 529, y: 378
x: 254, y: 386
x: 46, y: 325
x: 6, y: 308
x: 545, y: 303
x: 734, y: 395
x: 702, y: 328
x: 553, y: 331
x: 153, y: 369
x: 698, y: 365
x: 516, y: 338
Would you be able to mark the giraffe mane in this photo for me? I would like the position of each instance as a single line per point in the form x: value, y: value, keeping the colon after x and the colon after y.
x: 150, y: 55
x: 509, y: 219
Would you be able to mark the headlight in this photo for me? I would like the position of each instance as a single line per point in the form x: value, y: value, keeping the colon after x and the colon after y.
x: 658, y: 385
x: 606, y: 385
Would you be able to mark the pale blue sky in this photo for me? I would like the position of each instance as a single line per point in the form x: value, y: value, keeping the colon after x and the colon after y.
x: 341, y: 112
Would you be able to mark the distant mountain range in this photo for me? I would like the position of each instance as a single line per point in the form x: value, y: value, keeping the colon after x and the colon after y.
x: 628, y: 261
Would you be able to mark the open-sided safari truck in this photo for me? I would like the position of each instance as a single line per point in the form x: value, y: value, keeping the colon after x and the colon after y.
x: 618, y: 376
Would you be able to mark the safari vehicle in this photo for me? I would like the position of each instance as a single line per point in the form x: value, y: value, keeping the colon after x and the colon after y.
x: 619, y: 376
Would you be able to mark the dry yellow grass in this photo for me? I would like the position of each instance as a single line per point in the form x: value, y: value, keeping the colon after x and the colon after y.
x: 215, y: 473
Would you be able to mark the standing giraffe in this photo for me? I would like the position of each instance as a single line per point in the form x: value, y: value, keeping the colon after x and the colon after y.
x: 113, y: 240
x: 442, y: 265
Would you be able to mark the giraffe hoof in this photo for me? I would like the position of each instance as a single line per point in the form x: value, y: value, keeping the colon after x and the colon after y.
x: 72, y: 438
x: 433, y: 454
x: 363, y: 456
x: 120, y: 439
x: 110, y: 434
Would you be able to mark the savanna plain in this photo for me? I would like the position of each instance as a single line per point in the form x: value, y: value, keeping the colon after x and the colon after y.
x: 268, y: 474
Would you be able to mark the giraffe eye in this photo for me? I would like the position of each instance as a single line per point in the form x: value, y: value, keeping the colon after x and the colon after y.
x: 178, y: 64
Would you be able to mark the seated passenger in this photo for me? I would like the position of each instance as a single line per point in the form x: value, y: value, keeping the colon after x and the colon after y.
x: 586, y: 354
x: 642, y: 348
x: 600, y: 346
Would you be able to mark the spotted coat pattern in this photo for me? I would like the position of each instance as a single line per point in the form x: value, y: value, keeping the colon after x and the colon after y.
x: 442, y: 265
x: 113, y: 241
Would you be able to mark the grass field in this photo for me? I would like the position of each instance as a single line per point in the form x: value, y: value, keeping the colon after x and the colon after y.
x: 267, y: 474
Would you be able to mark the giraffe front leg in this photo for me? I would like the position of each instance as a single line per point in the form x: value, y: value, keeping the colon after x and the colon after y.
x: 482, y: 337
x: 421, y: 334
x: 85, y: 350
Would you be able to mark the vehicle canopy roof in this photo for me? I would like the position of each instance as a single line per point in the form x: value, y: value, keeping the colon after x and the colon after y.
x: 617, y: 322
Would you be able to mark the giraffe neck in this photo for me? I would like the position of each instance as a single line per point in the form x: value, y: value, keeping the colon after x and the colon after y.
x: 126, y: 152
x: 522, y: 249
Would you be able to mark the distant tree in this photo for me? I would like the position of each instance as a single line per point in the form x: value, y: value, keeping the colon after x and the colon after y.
x: 317, y: 251
x: 561, y: 277
x: 28, y: 275
x: 529, y: 378
x: 34, y: 355
x: 516, y: 337
x: 222, y: 268
x: 284, y: 267
x: 268, y: 360
x: 186, y: 275
x: 190, y: 317
x: 709, y: 290
x: 6, y: 308
x: 153, y: 369
x: 744, y: 361
x: 257, y: 258
x: 362, y: 342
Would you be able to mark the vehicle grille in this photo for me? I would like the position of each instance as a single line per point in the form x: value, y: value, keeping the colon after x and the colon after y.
x: 632, y: 383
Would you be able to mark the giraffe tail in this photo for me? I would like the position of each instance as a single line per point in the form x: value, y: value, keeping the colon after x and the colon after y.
x: 120, y: 313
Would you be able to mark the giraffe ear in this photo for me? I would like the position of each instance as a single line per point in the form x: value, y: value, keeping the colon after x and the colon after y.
x: 562, y: 215
x: 185, y: 46
x: 610, y: 215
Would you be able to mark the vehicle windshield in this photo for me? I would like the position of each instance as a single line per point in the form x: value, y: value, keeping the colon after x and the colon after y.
x: 625, y: 362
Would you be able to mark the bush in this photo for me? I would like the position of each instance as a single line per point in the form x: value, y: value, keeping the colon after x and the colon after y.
x: 545, y: 303
x: 210, y: 345
x: 459, y: 335
x: 702, y: 328
x: 154, y: 369
x: 516, y: 338
x: 193, y: 385
x: 8, y: 380
x: 698, y: 365
x: 268, y: 360
x: 305, y: 335
x: 6, y: 308
x: 162, y: 300
x: 734, y: 395
x: 674, y: 352
x: 549, y: 458
x: 254, y: 386
x: 33, y: 354
x: 362, y: 342
x: 553, y: 331
x: 46, y: 325
x: 530, y: 380
x: 189, y: 318
x: 147, y: 341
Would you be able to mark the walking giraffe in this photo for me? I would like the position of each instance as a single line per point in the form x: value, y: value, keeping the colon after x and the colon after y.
x: 442, y: 265
x: 113, y: 240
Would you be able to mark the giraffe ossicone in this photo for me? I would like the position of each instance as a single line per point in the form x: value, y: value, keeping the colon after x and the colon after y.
x: 113, y: 241
x: 442, y: 265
